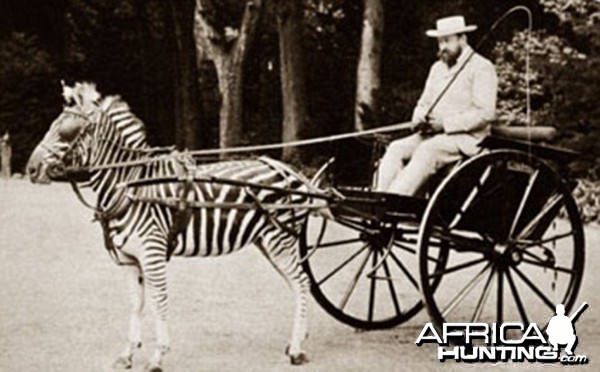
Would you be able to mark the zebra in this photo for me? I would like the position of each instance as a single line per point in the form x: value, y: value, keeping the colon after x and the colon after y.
x: 94, y: 132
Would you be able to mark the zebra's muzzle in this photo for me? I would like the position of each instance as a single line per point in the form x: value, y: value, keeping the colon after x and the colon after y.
x: 56, y: 171
x: 38, y: 174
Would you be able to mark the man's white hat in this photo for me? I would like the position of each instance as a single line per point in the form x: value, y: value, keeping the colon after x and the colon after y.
x: 450, y: 26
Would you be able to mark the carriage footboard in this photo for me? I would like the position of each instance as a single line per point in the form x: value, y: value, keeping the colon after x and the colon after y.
x: 379, y: 206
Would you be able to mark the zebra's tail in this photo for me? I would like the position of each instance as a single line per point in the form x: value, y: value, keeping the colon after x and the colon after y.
x: 316, y: 182
x: 313, y: 185
x: 318, y: 177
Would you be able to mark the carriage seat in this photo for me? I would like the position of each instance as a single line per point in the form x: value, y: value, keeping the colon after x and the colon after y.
x: 532, y: 134
x: 530, y: 140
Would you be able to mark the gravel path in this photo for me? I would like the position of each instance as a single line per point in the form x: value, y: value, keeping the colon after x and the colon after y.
x: 64, y: 304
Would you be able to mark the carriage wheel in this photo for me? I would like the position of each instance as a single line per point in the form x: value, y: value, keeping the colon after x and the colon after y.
x: 514, y: 239
x: 363, y: 273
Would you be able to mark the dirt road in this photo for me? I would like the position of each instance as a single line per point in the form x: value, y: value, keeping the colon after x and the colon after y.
x: 63, y: 305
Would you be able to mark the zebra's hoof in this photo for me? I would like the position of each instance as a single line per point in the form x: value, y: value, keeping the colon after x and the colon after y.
x: 154, y: 369
x: 299, y: 359
x: 123, y: 363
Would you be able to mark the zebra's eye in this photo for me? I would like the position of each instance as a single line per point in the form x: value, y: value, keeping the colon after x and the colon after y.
x: 69, y: 129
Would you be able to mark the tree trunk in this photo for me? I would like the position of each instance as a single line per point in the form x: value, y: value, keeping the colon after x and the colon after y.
x: 368, y: 71
x: 142, y: 38
x: 186, y: 87
x: 289, y: 23
x: 227, y: 49
x: 5, y: 156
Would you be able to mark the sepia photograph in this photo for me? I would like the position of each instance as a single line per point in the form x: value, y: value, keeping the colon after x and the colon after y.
x: 299, y: 185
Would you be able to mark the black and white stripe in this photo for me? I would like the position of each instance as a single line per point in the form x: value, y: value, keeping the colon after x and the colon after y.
x: 117, y: 136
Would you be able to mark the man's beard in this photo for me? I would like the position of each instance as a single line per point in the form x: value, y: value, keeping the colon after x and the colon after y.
x: 449, y: 57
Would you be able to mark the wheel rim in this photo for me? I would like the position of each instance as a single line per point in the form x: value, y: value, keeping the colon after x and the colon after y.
x: 527, y: 260
x: 362, y: 273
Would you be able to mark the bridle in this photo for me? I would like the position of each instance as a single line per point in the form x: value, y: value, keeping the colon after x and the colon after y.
x: 100, y: 215
x: 71, y: 146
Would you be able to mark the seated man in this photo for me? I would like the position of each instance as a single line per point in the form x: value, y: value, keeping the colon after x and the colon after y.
x: 452, y: 127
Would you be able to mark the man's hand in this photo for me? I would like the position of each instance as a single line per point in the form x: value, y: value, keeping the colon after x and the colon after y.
x: 429, y: 127
x: 436, y: 124
x: 422, y: 127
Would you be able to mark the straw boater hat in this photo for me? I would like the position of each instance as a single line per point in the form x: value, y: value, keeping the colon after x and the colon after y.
x: 450, y: 26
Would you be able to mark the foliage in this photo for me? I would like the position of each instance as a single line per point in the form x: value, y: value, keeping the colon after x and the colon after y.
x: 581, y: 12
x: 26, y: 75
x: 548, y: 55
x: 127, y: 46
x: 587, y: 197
x: 565, y: 80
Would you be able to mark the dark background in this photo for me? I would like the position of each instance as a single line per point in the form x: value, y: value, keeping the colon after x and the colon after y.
x: 126, y: 47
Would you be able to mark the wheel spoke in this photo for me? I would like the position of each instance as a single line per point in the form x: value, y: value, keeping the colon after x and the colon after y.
x: 537, y: 258
x: 341, y: 266
x: 311, y: 250
x: 455, y: 268
x: 524, y: 200
x: 500, y: 298
x: 386, y: 270
x: 465, y: 291
x: 405, y: 271
x: 532, y: 243
x: 467, y: 203
x: 377, y: 265
x: 359, y: 226
x: 484, y: 296
x: 414, y: 251
x: 534, y: 288
x: 550, y: 208
x: 460, y: 241
x: 547, y: 265
x: 373, y: 289
x: 517, y: 297
x: 353, y: 283
x: 334, y: 244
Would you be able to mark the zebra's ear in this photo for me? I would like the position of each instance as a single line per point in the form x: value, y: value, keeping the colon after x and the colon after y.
x: 89, y: 94
x: 68, y: 93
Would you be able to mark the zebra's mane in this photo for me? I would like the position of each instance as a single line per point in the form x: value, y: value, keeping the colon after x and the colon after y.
x: 86, y: 95
x: 113, y: 102
x: 114, y: 106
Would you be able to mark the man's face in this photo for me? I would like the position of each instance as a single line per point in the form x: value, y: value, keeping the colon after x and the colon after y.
x: 449, y: 49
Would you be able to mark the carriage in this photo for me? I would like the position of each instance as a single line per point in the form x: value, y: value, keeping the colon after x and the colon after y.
x: 496, y: 237
x: 502, y: 224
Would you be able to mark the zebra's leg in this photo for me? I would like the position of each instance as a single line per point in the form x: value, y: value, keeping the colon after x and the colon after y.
x: 135, y: 285
x: 280, y: 250
x: 154, y: 266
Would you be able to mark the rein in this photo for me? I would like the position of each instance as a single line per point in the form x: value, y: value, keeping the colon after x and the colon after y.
x: 100, y: 215
x: 104, y: 219
x: 175, y: 154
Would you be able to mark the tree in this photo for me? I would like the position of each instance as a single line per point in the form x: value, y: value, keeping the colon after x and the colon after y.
x: 369, y: 63
x: 290, y: 27
x: 187, y: 116
x: 228, y: 48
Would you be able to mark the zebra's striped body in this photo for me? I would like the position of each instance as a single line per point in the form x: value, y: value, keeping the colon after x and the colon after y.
x: 110, y: 134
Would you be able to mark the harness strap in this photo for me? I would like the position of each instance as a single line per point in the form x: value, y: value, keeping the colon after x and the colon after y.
x: 182, y: 214
x: 50, y: 149
x: 281, y: 170
x: 272, y: 219
x: 104, y: 219
x: 77, y: 191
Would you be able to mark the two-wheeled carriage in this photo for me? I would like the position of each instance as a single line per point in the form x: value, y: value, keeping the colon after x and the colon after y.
x: 498, y: 238
x: 500, y: 225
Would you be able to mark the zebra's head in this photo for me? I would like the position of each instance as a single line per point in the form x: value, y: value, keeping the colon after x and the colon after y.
x: 67, y: 141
